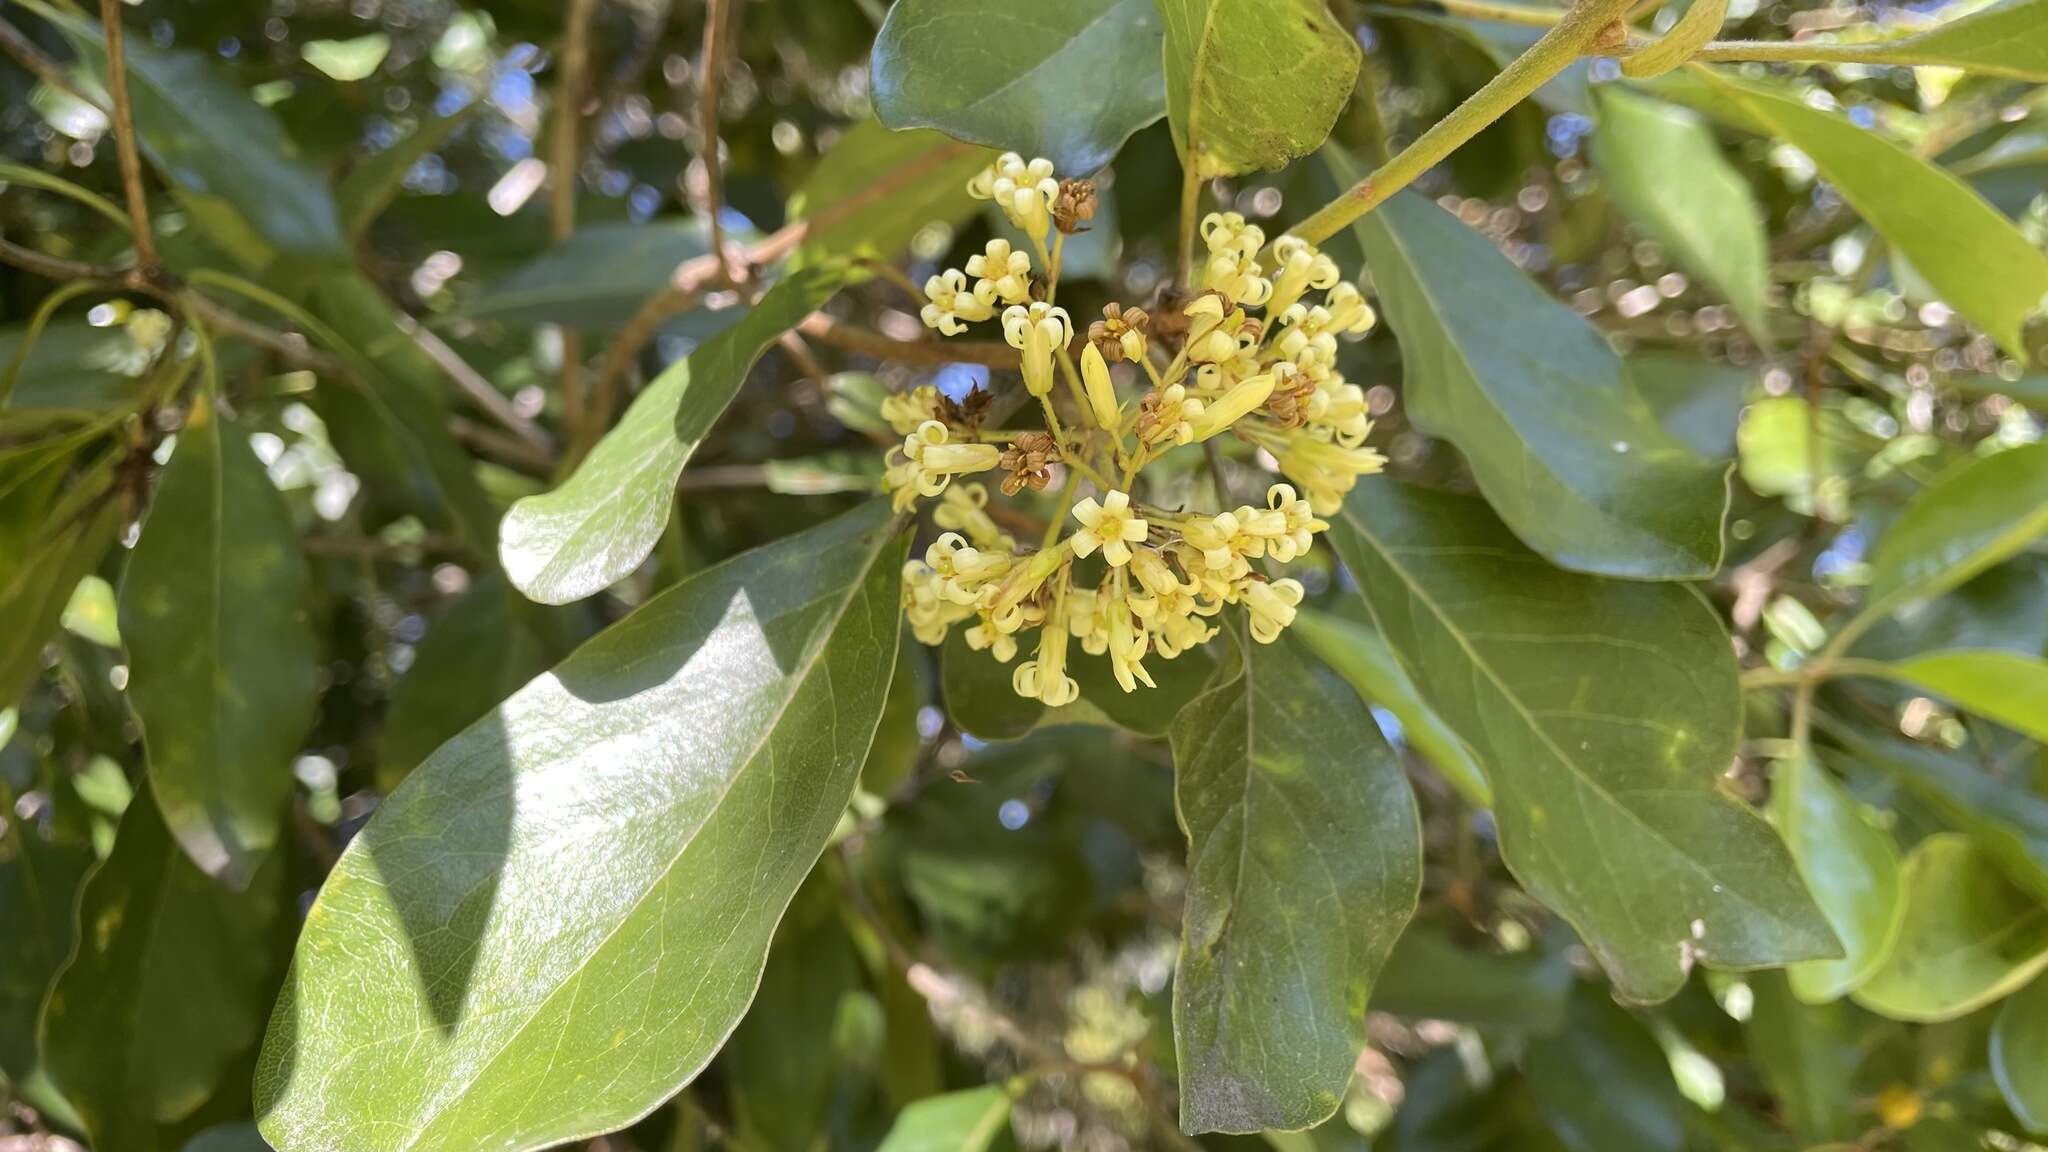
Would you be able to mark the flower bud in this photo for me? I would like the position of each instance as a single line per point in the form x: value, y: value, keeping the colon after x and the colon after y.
x: 1242, y: 399
x: 1101, y: 392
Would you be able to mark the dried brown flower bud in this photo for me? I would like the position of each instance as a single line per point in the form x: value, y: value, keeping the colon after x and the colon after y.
x: 1120, y: 334
x: 1074, y: 206
x: 967, y: 412
x: 1028, y: 461
x: 1289, y: 402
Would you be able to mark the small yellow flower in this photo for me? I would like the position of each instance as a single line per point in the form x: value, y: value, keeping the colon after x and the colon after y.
x: 1002, y: 272
x: 1326, y: 470
x: 1166, y: 414
x: 1348, y: 310
x: 963, y: 510
x: 1228, y: 232
x: 1127, y: 645
x: 1301, y: 267
x: 1101, y: 391
x: 967, y: 575
x: 989, y: 637
x: 1216, y: 330
x: 1270, y: 606
x: 1243, y: 399
x: 1109, y: 526
x: 1298, y: 524
x: 925, y: 608
x: 1024, y: 191
x: 938, y: 459
x: 906, y: 410
x: 952, y: 301
x: 1037, y: 330
x: 1222, y: 544
x: 1044, y: 676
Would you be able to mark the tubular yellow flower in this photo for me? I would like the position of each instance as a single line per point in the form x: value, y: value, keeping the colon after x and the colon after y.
x: 1002, y: 272
x: 1044, y: 676
x: 906, y: 410
x: 1024, y: 191
x: 1154, y: 574
x: 967, y: 574
x: 1108, y: 526
x: 962, y: 510
x: 1127, y: 644
x: 1348, y: 310
x: 1037, y: 330
x: 1242, y: 399
x: 1301, y: 267
x: 1298, y: 524
x: 938, y: 459
x: 953, y: 302
x: 1270, y: 605
x: 1101, y: 392
x: 1222, y: 544
x: 1166, y: 415
x: 1025, y: 580
x: 1326, y: 470
x: 1213, y: 329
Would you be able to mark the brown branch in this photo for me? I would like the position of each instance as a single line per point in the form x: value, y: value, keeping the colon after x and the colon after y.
x: 501, y: 447
x: 57, y: 268
x: 25, y: 52
x: 710, y: 71
x: 472, y: 384
x: 123, y: 127
x: 566, y: 153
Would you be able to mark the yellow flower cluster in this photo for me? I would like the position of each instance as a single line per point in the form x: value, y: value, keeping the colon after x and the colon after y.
x: 1270, y: 378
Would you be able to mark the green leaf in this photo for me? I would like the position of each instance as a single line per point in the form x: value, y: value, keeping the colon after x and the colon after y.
x: 1979, y: 514
x: 596, y: 278
x: 979, y: 698
x: 1603, y: 712
x: 1697, y: 400
x: 2019, y: 1055
x: 2007, y: 39
x: 1252, y: 84
x: 1661, y: 165
x: 1431, y: 977
x: 225, y: 665
x: 91, y: 613
x: 476, y: 653
x: 1949, y: 232
x: 64, y: 524
x: 558, y: 918
x: 233, y: 166
x: 1603, y: 1085
x: 1304, y: 864
x: 1358, y: 654
x: 603, y: 521
x: 38, y: 889
x: 1850, y: 866
x: 875, y: 189
x: 72, y: 364
x: 1970, y: 936
x: 373, y: 184
x: 1565, y: 449
x: 1807, y: 1055
x: 167, y: 989
x: 964, y: 1121
x: 1997, y: 685
x: 1068, y: 80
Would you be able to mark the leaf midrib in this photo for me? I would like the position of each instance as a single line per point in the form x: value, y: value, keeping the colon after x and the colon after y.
x: 809, y: 665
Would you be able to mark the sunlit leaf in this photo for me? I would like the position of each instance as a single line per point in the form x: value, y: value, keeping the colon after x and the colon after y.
x: 558, y: 918
x: 1970, y: 936
x: 1973, y: 517
x: 1252, y: 84
x: 1850, y: 866
x: 966, y: 1121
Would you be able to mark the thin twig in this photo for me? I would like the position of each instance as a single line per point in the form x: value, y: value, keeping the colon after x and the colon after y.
x: 827, y: 329
x: 473, y: 385
x: 123, y: 127
x: 501, y: 447
x: 710, y: 69
x: 25, y: 52
x: 566, y: 156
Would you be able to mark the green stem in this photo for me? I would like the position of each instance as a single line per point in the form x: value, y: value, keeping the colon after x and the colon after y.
x: 1498, y: 11
x: 1564, y: 43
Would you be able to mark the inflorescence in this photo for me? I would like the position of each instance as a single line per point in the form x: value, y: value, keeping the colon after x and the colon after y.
x: 1271, y: 379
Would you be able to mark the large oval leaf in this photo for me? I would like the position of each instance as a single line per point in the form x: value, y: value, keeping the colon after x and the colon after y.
x: 167, y: 988
x: 1850, y: 866
x: 603, y: 521
x: 224, y: 663
x: 1662, y: 166
x: 1252, y: 84
x: 1304, y: 864
x: 1973, y: 517
x: 1068, y: 80
x: 1603, y: 712
x: 1563, y: 446
x: 1997, y: 685
x: 1949, y: 232
x: 559, y: 917
x: 1970, y: 936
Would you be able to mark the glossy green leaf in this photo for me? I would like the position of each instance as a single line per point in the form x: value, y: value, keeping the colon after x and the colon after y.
x: 2019, y: 1055
x: 596, y: 278
x: 1997, y: 685
x: 1850, y: 866
x: 875, y: 189
x: 1358, y: 654
x: 1978, y: 515
x: 1602, y: 1085
x: 1252, y: 84
x: 1603, y: 712
x: 167, y: 989
x: 1948, y: 231
x: 2004, y: 39
x: 233, y: 166
x: 603, y: 521
x: 1699, y: 401
x: 476, y: 653
x: 1970, y: 936
x: 1563, y: 446
x: 1013, y: 76
x: 224, y: 663
x: 964, y: 1121
x: 1663, y: 167
x: 39, y: 881
x: 1304, y: 864
x: 979, y: 698
x: 558, y: 918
